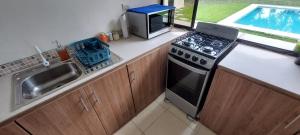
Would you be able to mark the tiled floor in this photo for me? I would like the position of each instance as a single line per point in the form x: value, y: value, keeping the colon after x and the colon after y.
x: 161, y: 118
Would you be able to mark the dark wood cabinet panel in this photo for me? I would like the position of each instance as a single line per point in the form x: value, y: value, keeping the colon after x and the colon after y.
x: 12, y: 129
x: 164, y: 49
x: 145, y: 78
x: 70, y: 114
x: 112, y: 99
x: 238, y: 106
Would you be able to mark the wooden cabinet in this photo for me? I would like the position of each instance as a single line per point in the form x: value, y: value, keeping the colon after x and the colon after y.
x: 291, y: 125
x: 112, y: 99
x: 145, y: 78
x: 12, y: 129
x: 103, y: 105
x: 70, y: 114
x: 238, y: 106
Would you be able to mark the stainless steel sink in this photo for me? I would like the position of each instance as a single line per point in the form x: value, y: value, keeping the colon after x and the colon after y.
x: 36, y: 82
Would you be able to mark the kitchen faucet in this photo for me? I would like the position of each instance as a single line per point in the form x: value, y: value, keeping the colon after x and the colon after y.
x: 44, y: 61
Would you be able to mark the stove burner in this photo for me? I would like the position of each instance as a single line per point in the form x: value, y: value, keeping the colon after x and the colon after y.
x: 198, y: 38
x: 217, y: 43
x: 203, y: 43
x: 208, y: 49
x: 187, y: 44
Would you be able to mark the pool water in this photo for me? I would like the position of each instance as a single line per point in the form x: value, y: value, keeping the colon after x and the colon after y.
x: 281, y: 19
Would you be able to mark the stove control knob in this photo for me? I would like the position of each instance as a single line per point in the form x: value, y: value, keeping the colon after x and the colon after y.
x: 180, y: 52
x: 173, y: 50
x: 194, y: 58
x: 203, y: 61
x: 187, y: 55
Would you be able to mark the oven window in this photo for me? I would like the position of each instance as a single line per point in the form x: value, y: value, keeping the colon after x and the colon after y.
x: 159, y: 21
x: 185, y: 83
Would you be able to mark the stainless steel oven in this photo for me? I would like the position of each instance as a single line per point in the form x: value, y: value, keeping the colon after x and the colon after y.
x: 185, y: 85
x: 193, y: 59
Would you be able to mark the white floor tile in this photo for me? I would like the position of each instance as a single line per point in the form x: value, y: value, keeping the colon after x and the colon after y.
x: 182, y: 116
x: 202, y: 130
x: 161, y: 118
x: 129, y: 129
x: 168, y: 124
x: 145, y: 118
x: 160, y: 101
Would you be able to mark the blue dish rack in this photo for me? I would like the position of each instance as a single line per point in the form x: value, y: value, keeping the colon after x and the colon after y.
x: 91, y: 51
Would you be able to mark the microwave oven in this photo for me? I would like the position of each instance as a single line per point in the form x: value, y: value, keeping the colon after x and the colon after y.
x: 150, y: 21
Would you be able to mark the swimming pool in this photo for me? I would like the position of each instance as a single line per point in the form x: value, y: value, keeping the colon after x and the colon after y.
x: 282, y: 19
x: 272, y: 19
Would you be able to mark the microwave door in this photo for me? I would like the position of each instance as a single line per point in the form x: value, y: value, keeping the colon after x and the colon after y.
x: 186, y: 81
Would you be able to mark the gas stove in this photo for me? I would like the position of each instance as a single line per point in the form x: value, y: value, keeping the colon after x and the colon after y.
x: 192, y: 61
x: 203, y: 43
x: 201, y: 47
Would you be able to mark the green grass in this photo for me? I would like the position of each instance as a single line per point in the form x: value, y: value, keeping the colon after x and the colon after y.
x: 214, y: 12
x: 269, y: 35
x: 217, y: 10
x: 184, y: 13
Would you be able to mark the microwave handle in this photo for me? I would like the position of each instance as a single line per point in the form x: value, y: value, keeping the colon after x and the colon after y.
x: 171, y: 17
x: 199, y: 71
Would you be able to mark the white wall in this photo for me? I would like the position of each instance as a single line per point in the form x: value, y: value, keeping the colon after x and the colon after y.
x: 24, y: 23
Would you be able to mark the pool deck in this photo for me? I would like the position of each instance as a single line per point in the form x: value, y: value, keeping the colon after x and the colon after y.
x: 230, y: 21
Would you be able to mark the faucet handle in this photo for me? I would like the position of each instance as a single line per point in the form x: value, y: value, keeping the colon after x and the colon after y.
x: 45, y: 62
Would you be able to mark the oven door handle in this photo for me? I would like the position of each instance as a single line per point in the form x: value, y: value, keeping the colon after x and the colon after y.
x: 199, y: 71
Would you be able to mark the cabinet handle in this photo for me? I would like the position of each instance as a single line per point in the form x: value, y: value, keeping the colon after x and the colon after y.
x: 96, y: 96
x: 83, y: 103
x: 132, y: 76
x: 297, y: 132
x: 292, y: 122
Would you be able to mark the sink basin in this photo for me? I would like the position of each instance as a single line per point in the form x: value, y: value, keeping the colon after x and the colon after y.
x: 35, y: 83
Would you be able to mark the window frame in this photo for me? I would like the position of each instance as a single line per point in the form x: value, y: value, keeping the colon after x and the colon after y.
x: 194, y: 15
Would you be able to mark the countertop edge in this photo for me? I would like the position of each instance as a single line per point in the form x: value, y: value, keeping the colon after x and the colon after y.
x: 49, y: 97
x: 263, y: 83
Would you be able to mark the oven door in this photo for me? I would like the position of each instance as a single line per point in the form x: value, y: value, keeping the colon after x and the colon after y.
x: 186, y: 81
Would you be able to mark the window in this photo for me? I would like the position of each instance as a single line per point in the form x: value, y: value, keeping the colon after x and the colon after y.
x: 278, y: 19
x: 184, y: 12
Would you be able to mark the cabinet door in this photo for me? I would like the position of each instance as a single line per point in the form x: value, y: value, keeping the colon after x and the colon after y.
x: 112, y: 99
x: 12, y: 129
x: 237, y: 106
x: 145, y: 79
x: 164, y: 62
x: 71, y: 114
x: 291, y: 126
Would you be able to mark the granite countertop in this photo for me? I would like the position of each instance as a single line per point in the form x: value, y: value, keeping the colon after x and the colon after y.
x: 127, y: 49
x: 273, y: 69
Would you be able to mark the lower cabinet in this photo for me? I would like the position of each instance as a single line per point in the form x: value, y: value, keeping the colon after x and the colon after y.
x: 112, y: 99
x: 238, y: 106
x: 164, y: 49
x: 101, y: 106
x: 291, y: 125
x: 12, y: 129
x: 70, y: 114
x: 146, y: 79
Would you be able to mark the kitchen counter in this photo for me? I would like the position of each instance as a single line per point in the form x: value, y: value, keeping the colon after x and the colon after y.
x: 273, y: 69
x: 127, y: 49
x: 266, y: 67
